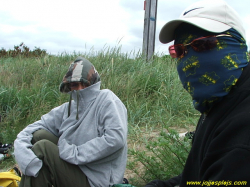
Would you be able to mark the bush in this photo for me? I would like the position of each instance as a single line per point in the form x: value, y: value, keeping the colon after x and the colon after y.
x: 161, y: 158
x: 23, y: 51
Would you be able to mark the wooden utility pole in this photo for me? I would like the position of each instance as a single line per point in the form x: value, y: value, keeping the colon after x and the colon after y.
x: 150, y: 7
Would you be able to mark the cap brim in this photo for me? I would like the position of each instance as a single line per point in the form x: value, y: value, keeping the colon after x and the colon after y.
x: 167, y: 32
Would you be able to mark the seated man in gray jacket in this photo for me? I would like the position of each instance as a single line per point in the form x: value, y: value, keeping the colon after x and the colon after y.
x: 82, y: 142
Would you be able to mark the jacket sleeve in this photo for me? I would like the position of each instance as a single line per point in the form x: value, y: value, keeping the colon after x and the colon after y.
x: 28, y: 162
x: 224, y: 156
x: 113, y: 118
x: 230, y: 166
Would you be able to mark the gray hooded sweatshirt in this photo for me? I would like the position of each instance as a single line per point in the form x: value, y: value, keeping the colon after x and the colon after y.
x: 96, y: 141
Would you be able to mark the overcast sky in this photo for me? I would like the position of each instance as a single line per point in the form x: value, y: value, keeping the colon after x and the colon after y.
x: 84, y: 25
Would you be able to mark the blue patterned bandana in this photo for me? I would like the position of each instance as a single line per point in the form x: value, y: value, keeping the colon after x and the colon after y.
x: 208, y: 76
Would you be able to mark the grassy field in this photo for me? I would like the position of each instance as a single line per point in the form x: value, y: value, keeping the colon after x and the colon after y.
x: 152, y: 93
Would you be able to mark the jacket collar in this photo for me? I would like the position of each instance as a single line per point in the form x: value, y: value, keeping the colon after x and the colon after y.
x: 87, y: 94
x: 243, y: 83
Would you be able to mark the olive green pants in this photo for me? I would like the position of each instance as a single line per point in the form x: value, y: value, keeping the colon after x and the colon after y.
x: 55, y: 171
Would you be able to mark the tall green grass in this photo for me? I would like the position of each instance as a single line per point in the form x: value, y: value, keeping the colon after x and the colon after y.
x: 152, y: 92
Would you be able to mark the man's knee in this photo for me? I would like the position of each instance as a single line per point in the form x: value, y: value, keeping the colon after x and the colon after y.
x: 44, y: 148
x: 43, y: 134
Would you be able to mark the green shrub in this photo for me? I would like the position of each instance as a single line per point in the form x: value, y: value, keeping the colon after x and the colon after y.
x: 23, y: 51
x: 161, y: 157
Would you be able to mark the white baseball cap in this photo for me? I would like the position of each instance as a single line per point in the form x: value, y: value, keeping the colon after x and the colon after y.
x: 211, y: 15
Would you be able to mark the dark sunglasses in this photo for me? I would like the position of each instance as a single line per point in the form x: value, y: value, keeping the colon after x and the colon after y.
x: 74, y: 84
x: 199, y: 45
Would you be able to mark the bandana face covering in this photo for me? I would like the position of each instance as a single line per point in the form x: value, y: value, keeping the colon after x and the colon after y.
x: 208, y: 76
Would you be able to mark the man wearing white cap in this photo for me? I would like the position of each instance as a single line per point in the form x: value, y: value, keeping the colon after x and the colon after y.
x: 212, y: 63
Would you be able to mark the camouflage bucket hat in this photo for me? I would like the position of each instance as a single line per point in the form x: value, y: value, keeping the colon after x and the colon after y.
x: 81, y: 70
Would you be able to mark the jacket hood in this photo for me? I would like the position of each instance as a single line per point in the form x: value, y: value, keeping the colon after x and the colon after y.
x: 81, y: 70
